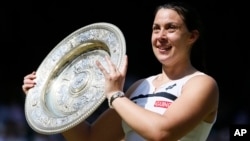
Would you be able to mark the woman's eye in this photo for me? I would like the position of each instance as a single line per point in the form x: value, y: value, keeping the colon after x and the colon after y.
x: 172, y: 28
x: 155, y: 29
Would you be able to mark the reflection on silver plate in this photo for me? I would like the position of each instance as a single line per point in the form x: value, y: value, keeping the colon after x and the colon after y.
x: 69, y: 86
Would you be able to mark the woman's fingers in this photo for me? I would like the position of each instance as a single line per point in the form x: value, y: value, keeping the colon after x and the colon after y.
x: 114, y: 77
x: 124, y: 65
x: 111, y: 67
x: 29, y: 82
x: 114, y: 68
x: 100, y: 66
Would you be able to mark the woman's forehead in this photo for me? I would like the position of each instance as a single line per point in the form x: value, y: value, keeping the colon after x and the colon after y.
x: 169, y: 15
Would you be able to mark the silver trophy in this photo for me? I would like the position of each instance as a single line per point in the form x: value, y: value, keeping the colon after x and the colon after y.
x: 69, y: 86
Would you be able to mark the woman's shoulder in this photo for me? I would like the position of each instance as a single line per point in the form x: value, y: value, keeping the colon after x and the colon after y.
x: 134, y: 86
x: 138, y: 82
x: 203, y: 80
x: 201, y: 76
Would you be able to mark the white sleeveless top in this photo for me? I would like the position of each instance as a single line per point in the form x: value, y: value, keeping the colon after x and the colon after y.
x: 159, y: 101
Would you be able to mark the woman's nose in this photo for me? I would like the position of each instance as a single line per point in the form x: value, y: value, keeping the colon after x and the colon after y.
x: 162, y: 34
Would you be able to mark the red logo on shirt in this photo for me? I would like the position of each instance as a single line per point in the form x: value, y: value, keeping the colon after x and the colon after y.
x: 163, y: 104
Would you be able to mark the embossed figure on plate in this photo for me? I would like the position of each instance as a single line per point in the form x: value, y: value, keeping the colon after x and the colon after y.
x: 69, y: 85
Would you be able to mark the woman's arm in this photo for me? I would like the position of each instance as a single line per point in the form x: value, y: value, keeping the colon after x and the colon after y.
x: 199, y: 100
x: 107, y: 127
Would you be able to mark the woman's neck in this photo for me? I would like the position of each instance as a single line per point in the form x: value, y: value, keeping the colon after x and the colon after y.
x: 176, y: 72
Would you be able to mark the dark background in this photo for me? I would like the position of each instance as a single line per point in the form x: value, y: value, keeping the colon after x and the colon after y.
x: 30, y: 30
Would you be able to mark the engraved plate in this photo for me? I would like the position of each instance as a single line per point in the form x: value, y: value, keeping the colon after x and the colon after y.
x: 69, y: 86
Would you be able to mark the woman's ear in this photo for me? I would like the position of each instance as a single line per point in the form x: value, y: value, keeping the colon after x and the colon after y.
x: 194, y: 36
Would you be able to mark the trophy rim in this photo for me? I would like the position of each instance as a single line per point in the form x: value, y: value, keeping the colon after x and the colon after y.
x: 102, y: 38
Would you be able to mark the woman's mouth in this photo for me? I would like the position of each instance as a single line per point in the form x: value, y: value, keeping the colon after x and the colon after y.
x: 165, y: 48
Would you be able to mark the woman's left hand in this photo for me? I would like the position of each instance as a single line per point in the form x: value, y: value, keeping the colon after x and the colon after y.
x: 114, y: 78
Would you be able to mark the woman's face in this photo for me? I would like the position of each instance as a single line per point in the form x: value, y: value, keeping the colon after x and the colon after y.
x: 171, y: 40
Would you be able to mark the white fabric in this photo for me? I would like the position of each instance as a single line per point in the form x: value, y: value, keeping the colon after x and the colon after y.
x: 145, y: 96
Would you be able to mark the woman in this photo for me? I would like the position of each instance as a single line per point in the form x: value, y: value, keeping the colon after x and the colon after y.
x: 180, y: 103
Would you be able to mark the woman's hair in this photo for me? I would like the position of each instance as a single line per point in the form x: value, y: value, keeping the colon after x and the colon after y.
x: 192, y: 19
x: 189, y: 14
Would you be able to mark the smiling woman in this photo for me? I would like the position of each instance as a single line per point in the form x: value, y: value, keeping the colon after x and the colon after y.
x: 150, y: 107
x: 30, y: 29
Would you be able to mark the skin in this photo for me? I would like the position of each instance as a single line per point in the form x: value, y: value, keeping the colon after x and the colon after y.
x: 171, y: 44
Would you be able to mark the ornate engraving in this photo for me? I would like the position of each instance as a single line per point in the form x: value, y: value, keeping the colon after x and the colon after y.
x: 69, y: 85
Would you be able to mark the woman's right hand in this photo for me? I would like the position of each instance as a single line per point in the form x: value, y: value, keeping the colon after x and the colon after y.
x: 29, y: 82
